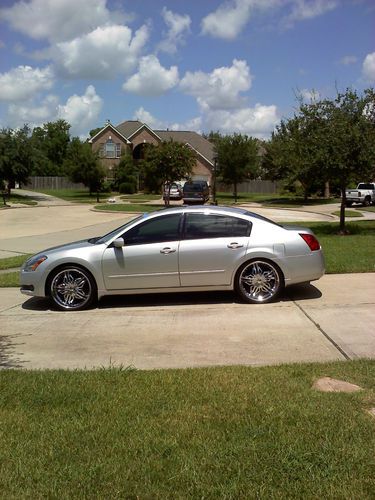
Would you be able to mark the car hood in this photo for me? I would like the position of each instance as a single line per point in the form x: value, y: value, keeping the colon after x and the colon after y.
x: 69, y: 246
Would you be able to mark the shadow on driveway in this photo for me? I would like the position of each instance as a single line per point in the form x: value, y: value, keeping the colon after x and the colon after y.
x: 293, y: 293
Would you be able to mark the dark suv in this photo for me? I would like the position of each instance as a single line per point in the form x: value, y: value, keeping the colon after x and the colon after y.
x: 195, y: 192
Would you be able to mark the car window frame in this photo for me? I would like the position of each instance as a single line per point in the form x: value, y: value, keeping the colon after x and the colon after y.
x: 150, y: 221
x: 203, y: 214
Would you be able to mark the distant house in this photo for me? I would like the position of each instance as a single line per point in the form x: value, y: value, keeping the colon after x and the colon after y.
x: 111, y: 142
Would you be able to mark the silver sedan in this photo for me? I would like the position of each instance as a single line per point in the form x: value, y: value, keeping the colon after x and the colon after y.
x: 181, y: 249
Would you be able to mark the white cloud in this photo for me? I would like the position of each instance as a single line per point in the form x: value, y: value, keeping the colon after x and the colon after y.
x: 57, y: 20
x: 152, y: 78
x: 33, y: 113
x: 310, y: 95
x: 146, y: 117
x: 24, y: 82
x: 368, y: 68
x: 308, y: 9
x: 347, y: 60
x: 103, y: 53
x: 258, y: 121
x: 178, y: 26
x: 219, y: 89
x: 82, y: 112
x: 228, y: 20
x: 195, y: 124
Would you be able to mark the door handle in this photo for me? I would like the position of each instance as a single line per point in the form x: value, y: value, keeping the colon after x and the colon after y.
x: 167, y: 250
x: 234, y: 245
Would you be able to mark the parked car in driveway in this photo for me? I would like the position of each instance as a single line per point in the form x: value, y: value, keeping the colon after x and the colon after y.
x: 175, y: 191
x: 180, y: 249
x: 195, y: 192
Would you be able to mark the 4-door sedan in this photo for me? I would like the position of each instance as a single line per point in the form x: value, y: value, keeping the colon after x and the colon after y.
x: 180, y: 249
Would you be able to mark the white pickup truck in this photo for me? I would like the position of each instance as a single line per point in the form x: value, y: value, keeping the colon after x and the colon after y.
x: 364, y: 194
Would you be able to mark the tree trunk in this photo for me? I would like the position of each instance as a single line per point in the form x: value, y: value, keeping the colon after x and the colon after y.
x: 235, y: 192
x: 342, y: 210
x: 167, y: 193
x: 327, y: 193
x: 97, y: 197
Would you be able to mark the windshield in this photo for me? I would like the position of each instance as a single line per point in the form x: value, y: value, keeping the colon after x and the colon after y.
x: 108, y: 236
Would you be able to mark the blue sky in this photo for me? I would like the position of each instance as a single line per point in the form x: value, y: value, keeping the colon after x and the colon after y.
x: 227, y: 65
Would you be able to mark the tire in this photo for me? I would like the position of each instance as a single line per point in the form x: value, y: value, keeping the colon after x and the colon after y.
x: 72, y: 288
x: 366, y: 201
x: 348, y: 203
x: 259, y: 281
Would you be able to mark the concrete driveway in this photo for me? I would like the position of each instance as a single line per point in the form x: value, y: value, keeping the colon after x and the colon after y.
x: 331, y: 319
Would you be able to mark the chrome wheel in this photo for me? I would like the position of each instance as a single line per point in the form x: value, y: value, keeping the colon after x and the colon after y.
x: 259, y: 282
x: 72, y: 288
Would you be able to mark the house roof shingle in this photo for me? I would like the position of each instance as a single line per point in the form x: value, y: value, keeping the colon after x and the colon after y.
x: 196, y: 141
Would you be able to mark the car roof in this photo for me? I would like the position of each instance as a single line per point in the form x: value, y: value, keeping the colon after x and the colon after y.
x: 219, y: 209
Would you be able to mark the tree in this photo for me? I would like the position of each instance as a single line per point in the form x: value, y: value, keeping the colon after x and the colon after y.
x: 50, y: 143
x: 83, y: 166
x: 348, y: 140
x: 95, y: 131
x: 328, y: 140
x: 15, y: 156
x: 125, y: 175
x: 167, y: 162
x: 237, y: 159
x: 292, y: 154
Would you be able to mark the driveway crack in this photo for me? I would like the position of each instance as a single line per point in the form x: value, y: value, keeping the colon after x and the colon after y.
x: 330, y: 339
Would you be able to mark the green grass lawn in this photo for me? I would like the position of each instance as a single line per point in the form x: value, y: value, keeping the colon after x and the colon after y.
x: 234, y: 432
x: 15, y: 261
x: 348, y: 213
x: 273, y: 200
x: 75, y: 195
x: 17, y: 198
x: 353, y: 253
x: 127, y: 207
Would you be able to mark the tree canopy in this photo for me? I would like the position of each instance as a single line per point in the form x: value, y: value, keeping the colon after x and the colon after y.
x: 238, y: 159
x: 169, y: 161
x: 327, y: 140
x: 83, y: 165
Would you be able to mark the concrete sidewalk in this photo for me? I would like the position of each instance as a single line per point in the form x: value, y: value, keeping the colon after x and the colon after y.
x: 332, y: 319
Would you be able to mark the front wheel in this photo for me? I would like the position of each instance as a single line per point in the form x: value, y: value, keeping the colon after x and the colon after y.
x: 259, y: 282
x: 367, y: 201
x: 72, y: 289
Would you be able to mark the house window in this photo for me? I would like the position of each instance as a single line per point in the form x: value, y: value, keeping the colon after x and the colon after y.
x: 112, y: 150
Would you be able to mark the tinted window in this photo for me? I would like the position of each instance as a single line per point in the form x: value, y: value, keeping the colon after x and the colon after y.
x: 195, y: 187
x: 164, y: 228
x: 215, y: 226
x: 365, y: 186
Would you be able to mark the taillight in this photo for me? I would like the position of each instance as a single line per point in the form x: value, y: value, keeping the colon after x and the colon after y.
x: 312, y: 242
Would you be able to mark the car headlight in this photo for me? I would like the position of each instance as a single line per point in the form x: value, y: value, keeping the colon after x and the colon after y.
x: 33, y: 263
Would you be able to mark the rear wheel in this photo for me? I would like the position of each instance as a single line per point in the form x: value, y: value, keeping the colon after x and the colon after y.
x: 72, y: 288
x: 259, y: 282
x: 348, y: 203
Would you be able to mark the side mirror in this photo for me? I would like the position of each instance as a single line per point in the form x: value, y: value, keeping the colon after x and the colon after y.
x: 119, y: 243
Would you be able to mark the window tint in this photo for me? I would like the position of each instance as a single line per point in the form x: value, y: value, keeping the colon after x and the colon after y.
x: 154, y: 231
x: 215, y: 226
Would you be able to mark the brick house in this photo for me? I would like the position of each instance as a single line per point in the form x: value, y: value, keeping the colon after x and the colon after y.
x: 131, y: 136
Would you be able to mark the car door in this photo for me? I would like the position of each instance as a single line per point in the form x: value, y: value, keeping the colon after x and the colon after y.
x: 149, y: 258
x: 211, y: 248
